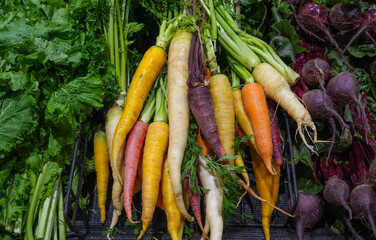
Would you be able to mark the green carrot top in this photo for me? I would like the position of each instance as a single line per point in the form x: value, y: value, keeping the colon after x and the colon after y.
x: 160, y: 103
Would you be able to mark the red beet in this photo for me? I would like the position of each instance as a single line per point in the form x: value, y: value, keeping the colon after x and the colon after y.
x: 372, y: 174
x: 343, y: 17
x: 320, y: 106
x: 312, y: 18
x: 344, y: 89
x: 362, y: 202
x: 308, y: 213
x: 368, y: 26
x: 337, y: 191
x: 316, y: 72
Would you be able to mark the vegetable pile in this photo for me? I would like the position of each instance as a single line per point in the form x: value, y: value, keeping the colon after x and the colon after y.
x: 179, y: 106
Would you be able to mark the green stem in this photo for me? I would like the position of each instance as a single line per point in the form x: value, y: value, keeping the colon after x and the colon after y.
x: 160, y: 108
x: 30, y: 217
x: 43, y: 217
x: 210, y: 53
x: 111, y: 32
x: 52, y: 216
x: 117, y: 58
x: 244, y: 50
x: 149, y: 109
x: 166, y: 32
x: 123, y: 81
x: 61, y: 219
x: 213, y: 21
x: 240, y: 71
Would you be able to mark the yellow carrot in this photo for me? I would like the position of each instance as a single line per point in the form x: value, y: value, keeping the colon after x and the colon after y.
x: 156, y: 144
x: 267, y: 186
x: 142, y: 81
x: 224, y: 113
x: 172, y: 211
x: 155, y: 147
x: 101, y: 160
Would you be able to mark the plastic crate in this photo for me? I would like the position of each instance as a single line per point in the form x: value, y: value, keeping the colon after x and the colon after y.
x: 244, y: 224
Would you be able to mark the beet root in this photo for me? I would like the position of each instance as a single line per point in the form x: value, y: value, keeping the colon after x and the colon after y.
x: 312, y: 18
x: 343, y: 17
x: 308, y: 213
x: 320, y: 106
x: 372, y: 174
x: 362, y: 202
x: 368, y: 22
x: 337, y: 191
x: 344, y: 89
x: 316, y: 72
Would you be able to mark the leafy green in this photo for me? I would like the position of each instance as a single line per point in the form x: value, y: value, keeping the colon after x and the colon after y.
x: 287, y: 42
x: 364, y: 50
x: 17, y: 118
x: 306, y: 179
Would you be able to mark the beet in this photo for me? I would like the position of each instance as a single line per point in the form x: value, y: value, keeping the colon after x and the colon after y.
x: 362, y: 202
x: 337, y: 191
x: 308, y: 213
x: 372, y: 69
x: 343, y: 17
x: 320, y: 106
x: 312, y: 18
x: 344, y: 89
x: 316, y: 72
x: 372, y: 174
x: 367, y: 23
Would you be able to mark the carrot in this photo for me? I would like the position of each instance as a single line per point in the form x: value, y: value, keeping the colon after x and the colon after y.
x: 276, y: 87
x: 144, y: 77
x: 156, y: 144
x: 112, y: 118
x: 101, y: 160
x: 224, y: 113
x: 240, y: 133
x: 194, y: 197
x: 277, y: 147
x: 255, y: 105
x: 213, y: 199
x: 267, y: 187
x: 202, y: 143
x: 178, y: 111
x: 201, y: 104
x: 172, y: 211
x: 243, y: 119
x: 133, y: 149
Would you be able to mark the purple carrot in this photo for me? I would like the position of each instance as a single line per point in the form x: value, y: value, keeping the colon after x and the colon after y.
x: 201, y: 104
x: 194, y: 197
x: 277, y: 146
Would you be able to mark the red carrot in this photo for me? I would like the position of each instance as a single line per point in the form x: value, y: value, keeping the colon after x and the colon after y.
x: 132, y: 154
x: 277, y: 147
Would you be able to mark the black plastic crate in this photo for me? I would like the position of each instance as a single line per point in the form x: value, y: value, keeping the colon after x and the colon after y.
x: 244, y: 224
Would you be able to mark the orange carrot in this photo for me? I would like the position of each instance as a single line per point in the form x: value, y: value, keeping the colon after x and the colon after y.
x: 255, y: 105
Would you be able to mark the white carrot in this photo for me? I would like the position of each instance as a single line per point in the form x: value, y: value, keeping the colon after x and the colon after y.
x: 178, y: 112
x: 213, y: 199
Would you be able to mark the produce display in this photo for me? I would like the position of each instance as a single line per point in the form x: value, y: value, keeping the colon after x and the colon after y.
x: 178, y: 103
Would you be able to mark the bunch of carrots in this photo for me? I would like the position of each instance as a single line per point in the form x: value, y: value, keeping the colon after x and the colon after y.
x: 149, y: 139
